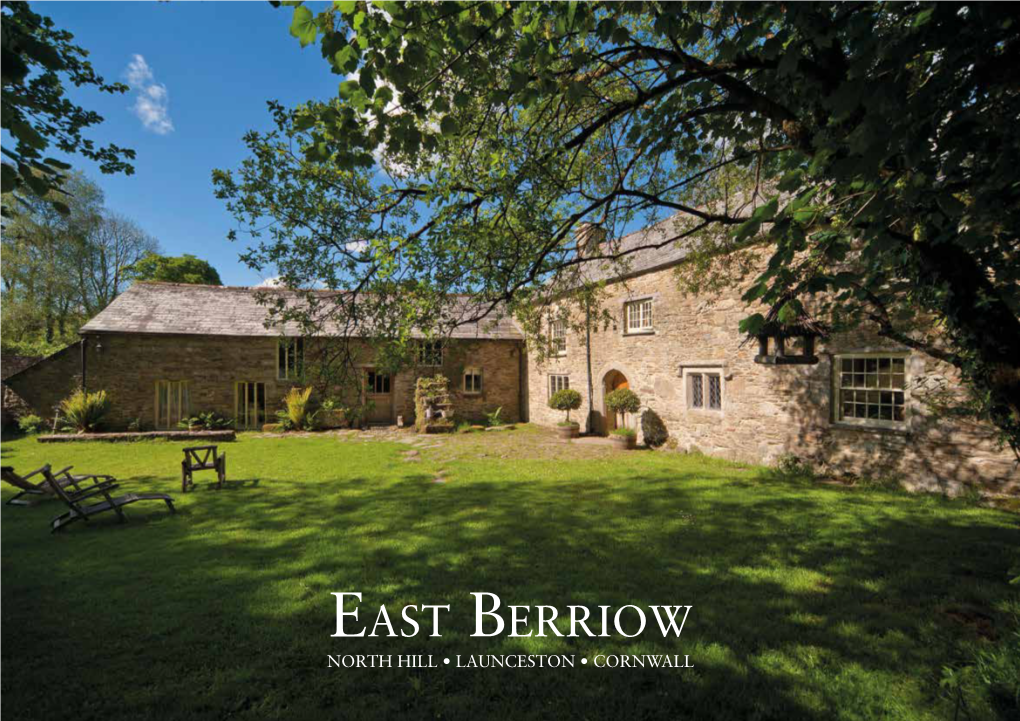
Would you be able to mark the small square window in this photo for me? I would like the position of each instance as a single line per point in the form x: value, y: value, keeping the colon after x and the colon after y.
x: 871, y: 390
x: 639, y: 316
x: 430, y: 353
x: 704, y: 390
x: 472, y: 380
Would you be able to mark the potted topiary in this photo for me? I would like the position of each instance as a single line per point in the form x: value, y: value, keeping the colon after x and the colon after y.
x: 566, y: 399
x: 623, y: 401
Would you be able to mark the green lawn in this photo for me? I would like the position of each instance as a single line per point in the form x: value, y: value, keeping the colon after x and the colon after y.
x: 809, y: 601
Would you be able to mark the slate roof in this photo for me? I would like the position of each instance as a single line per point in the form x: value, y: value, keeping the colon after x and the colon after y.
x: 182, y: 309
x: 638, y: 251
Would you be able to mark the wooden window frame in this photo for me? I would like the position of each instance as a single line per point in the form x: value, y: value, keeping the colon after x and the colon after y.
x: 371, y: 388
x: 558, y: 336
x: 838, y: 389
x: 183, y: 402
x: 284, y: 370
x: 426, y: 353
x: 642, y: 309
x: 558, y: 382
x: 472, y: 372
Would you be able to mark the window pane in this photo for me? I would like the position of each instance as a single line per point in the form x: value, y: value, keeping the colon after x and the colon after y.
x: 697, y: 392
x: 714, y: 392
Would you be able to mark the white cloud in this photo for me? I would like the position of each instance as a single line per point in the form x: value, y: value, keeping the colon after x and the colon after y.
x: 274, y: 282
x: 152, y: 101
x: 357, y: 246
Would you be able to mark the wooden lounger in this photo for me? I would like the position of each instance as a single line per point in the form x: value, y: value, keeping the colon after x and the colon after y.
x: 41, y: 490
x: 100, y: 490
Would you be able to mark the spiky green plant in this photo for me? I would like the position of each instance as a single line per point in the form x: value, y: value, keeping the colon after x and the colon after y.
x: 296, y: 402
x: 83, y: 411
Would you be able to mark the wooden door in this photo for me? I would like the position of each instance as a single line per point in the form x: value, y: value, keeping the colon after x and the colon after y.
x: 614, y: 380
x: 379, y: 396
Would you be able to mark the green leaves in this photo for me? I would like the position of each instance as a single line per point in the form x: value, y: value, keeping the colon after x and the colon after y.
x: 303, y: 26
x: 753, y: 324
x: 38, y: 59
x: 449, y: 126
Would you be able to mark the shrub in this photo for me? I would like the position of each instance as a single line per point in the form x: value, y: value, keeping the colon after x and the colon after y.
x: 623, y: 401
x: 565, y: 399
x: 792, y: 466
x: 272, y: 428
x: 134, y: 425
x: 209, y: 421
x: 493, y: 419
x: 296, y: 415
x: 653, y: 428
x: 626, y: 432
x: 83, y: 412
x: 31, y: 424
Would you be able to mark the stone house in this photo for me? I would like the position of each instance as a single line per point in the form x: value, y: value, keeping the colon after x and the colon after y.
x: 858, y: 410
x: 163, y: 351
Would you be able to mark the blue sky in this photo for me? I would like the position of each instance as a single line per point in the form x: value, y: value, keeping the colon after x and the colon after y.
x: 218, y: 62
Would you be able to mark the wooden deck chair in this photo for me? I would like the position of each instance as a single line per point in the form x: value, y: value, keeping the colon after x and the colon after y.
x: 202, y: 458
x: 42, y: 489
x: 78, y: 509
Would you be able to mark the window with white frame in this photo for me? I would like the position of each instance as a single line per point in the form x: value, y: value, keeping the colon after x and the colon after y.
x: 472, y: 380
x: 558, y: 333
x: 704, y: 390
x: 290, y: 359
x: 871, y: 389
x: 430, y: 353
x: 558, y: 383
x: 639, y: 316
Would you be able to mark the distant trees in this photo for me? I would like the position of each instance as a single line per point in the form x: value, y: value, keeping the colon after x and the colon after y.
x: 61, y: 268
x: 174, y: 269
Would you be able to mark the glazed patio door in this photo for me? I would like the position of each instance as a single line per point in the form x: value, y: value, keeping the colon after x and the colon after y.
x: 249, y: 405
x: 172, y: 404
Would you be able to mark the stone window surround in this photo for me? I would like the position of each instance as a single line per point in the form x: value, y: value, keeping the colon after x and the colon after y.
x: 472, y: 371
x: 705, y: 368
x: 624, y: 302
x: 910, y: 409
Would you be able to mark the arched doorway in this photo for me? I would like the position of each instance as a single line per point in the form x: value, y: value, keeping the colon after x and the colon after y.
x: 613, y: 380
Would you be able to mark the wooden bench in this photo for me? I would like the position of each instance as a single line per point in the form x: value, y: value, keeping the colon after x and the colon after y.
x: 202, y: 458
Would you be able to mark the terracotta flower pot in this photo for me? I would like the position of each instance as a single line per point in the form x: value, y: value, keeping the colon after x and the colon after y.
x: 623, y: 443
x: 567, y: 432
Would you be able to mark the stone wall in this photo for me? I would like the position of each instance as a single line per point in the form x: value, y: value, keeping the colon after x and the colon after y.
x: 128, y: 367
x: 767, y: 411
x: 41, y: 386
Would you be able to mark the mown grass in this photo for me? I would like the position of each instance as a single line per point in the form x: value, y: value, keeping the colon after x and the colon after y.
x: 809, y: 601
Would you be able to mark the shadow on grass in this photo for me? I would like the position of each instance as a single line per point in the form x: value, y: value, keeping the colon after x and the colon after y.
x: 808, y: 603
